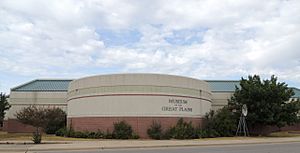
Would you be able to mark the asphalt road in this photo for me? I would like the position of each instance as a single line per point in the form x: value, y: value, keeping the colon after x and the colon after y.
x: 252, y: 148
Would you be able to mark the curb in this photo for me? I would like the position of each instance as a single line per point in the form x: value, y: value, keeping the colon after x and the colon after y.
x: 31, y: 143
x: 153, y: 146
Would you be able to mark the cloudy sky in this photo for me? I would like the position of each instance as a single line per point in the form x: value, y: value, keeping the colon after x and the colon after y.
x: 205, y: 39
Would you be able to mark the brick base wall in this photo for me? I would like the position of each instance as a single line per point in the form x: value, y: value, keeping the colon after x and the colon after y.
x: 295, y: 127
x: 266, y: 130
x: 138, y: 124
x: 4, y: 128
x: 14, y: 126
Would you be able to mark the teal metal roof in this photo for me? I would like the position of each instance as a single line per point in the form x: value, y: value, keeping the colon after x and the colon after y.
x: 223, y: 85
x: 44, y: 85
x: 229, y: 86
x: 297, y: 92
x: 41, y: 85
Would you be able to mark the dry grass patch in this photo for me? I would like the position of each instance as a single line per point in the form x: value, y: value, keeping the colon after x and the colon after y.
x: 285, y: 134
x: 15, y: 136
x: 226, y: 138
x: 4, y: 136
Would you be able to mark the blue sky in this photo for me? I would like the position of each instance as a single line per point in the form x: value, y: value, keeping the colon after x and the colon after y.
x: 207, y: 39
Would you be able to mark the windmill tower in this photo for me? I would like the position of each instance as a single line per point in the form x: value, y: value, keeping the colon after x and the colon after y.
x: 242, y: 129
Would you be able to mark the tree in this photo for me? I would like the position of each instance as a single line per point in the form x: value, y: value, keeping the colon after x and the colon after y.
x: 267, y: 102
x: 50, y: 119
x: 4, y: 105
x: 34, y: 116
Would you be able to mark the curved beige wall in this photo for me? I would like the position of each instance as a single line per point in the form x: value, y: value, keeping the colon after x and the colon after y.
x: 147, y: 95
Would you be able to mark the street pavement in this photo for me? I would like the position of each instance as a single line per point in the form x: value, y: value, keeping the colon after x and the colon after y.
x: 65, y: 146
x: 250, y: 148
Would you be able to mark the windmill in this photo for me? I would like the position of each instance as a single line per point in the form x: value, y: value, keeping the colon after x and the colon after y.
x: 242, y: 129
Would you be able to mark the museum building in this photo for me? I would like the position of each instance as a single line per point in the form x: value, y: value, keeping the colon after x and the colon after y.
x: 97, y: 102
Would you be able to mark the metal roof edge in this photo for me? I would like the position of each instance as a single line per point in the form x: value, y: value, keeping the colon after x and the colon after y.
x: 53, y: 79
x: 26, y: 83
x: 41, y: 79
x: 41, y: 91
x: 222, y: 91
x: 133, y: 73
x: 295, y: 88
x: 222, y: 80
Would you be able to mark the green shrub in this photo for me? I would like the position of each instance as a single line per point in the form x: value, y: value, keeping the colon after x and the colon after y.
x: 79, y: 134
x: 61, y: 132
x: 91, y: 135
x: 155, y: 131
x: 86, y: 134
x: 108, y: 135
x: 99, y: 135
x: 37, y: 137
x: 135, y: 136
x: 208, y: 133
x: 220, y: 123
x: 167, y: 134
x: 69, y: 132
x: 56, y: 119
x: 122, y: 130
x: 183, y: 130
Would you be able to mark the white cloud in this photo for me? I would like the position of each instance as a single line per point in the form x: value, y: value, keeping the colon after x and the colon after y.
x: 60, y: 38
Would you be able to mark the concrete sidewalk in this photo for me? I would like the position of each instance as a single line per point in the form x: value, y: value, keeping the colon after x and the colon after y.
x: 21, y: 146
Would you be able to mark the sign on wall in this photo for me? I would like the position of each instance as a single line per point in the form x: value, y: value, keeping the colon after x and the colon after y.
x: 177, y: 105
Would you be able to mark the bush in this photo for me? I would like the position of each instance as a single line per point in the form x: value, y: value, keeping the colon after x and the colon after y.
x: 220, y: 123
x: 95, y: 135
x: 207, y: 133
x: 135, y: 136
x: 91, y: 135
x: 37, y: 137
x: 99, y: 134
x: 56, y: 119
x: 108, y: 135
x: 122, y: 130
x: 61, y: 132
x: 167, y: 134
x: 183, y: 130
x: 69, y: 132
x: 155, y: 131
x: 79, y: 134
